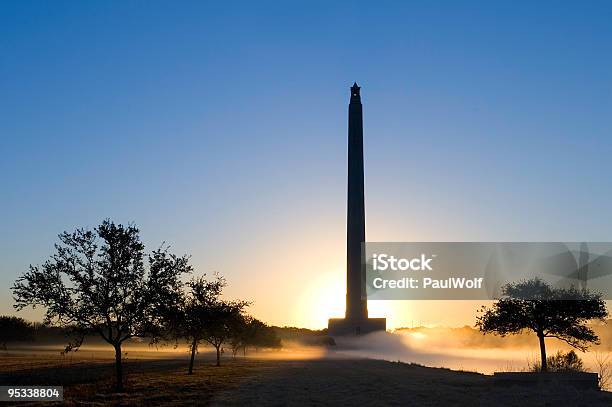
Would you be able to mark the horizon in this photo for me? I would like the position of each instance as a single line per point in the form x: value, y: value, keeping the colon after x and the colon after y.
x: 222, y: 131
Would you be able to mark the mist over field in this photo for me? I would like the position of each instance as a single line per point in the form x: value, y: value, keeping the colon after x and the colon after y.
x: 462, y: 348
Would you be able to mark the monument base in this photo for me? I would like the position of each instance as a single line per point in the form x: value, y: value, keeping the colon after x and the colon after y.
x: 346, y: 327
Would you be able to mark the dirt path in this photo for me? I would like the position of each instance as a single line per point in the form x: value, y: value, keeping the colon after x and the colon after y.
x: 374, y: 382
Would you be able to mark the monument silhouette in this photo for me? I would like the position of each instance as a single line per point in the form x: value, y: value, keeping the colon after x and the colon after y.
x: 356, y: 319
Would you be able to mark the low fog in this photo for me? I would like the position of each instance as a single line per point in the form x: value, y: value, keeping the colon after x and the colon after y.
x: 454, y: 348
x: 459, y: 348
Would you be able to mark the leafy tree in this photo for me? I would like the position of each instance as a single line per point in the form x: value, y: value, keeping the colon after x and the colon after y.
x: 202, y: 315
x: 222, y: 317
x: 96, y: 282
x: 15, y: 329
x: 534, y: 305
x: 240, y: 334
x: 190, y: 317
x: 249, y: 331
x: 262, y: 336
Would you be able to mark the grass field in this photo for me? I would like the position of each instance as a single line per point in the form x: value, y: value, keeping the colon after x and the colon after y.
x: 88, y: 377
x: 157, y: 378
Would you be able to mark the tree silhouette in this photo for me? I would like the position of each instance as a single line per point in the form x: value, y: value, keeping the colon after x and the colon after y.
x: 248, y: 331
x: 534, y: 305
x: 202, y: 315
x: 96, y: 283
x: 241, y: 331
x: 15, y: 329
x: 188, y: 320
x: 221, y: 319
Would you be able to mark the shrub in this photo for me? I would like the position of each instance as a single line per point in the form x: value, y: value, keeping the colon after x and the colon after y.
x: 562, y: 362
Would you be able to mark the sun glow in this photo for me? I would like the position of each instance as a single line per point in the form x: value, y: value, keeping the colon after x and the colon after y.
x: 322, y: 299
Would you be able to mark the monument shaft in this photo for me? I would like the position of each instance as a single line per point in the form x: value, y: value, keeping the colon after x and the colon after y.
x: 356, y: 305
x: 356, y: 319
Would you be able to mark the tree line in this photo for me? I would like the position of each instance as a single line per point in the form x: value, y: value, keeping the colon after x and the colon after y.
x: 102, y: 282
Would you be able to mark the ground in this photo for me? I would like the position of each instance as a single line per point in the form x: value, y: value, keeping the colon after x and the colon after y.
x: 87, y: 380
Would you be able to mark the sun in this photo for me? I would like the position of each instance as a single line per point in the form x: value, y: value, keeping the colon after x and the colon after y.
x: 323, y: 298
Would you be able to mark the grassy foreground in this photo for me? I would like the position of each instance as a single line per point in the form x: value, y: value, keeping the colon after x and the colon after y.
x: 252, y: 381
x: 90, y: 381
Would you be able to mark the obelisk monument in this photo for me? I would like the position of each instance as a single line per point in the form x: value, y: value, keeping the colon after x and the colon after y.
x: 356, y: 321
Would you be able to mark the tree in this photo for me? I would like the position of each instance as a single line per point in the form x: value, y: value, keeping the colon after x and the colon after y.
x: 261, y: 335
x: 240, y: 334
x: 222, y: 317
x: 534, y: 305
x: 202, y: 315
x: 190, y: 317
x: 248, y: 331
x: 15, y: 329
x: 96, y: 283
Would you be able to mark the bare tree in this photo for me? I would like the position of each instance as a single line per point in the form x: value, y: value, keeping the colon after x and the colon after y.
x: 604, y: 368
x: 96, y: 283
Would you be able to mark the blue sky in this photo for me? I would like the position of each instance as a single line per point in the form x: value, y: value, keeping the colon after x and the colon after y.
x: 221, y: 129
